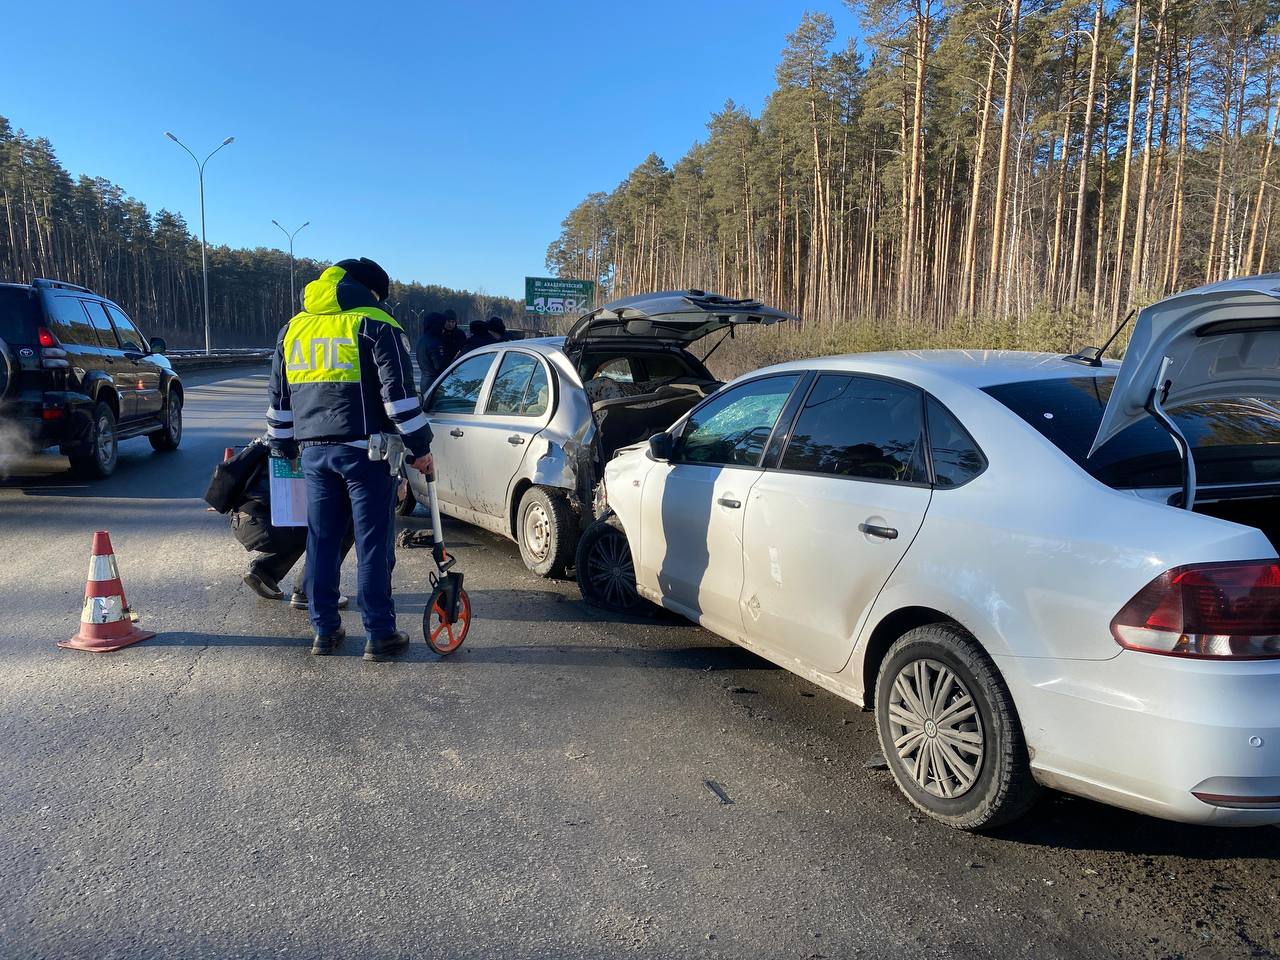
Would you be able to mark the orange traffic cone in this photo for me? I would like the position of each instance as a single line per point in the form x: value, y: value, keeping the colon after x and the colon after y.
x: 106, y: 623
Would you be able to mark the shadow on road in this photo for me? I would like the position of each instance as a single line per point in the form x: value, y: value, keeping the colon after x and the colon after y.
x: 703, y: 658
x: 1078, y: 824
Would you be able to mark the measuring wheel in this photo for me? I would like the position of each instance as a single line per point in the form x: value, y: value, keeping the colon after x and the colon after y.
x: 442, y: 635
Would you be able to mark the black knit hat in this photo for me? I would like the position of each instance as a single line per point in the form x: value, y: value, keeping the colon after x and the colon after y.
x: 367, y: 273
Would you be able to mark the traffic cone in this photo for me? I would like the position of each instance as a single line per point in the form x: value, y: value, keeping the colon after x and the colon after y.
x: 228, y: 453
x: 106, y: 623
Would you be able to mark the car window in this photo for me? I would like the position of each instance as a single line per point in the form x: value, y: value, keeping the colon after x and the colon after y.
x: 537, y: 395
x: 664, y: 366
x: 734, y: 426
x: 19, y: 314
x: 70, y: 323
x: 101, y: 324
x: 459, y: 391
x: 1232, y: 441
x: 860, y: 427
x: 956, y: 458
x: 507, y: 395
x: 130, y: 338
x: 618, y: 369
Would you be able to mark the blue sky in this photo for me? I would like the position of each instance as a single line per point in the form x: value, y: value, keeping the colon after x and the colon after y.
x: 446, y: 140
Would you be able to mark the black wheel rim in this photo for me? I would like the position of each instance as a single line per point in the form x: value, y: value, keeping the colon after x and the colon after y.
x: 610, y: 571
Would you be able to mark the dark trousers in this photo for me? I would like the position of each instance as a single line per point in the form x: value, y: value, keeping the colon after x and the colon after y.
x: 344, y: 485
x: 275, y: 565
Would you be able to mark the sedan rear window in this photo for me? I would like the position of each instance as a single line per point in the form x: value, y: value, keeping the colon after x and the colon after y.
x: 1233, y: 441
x: 860, y: 427
x: 19, y: 315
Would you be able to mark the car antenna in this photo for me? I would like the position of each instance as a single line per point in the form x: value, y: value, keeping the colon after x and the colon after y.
x: 1092, y: 356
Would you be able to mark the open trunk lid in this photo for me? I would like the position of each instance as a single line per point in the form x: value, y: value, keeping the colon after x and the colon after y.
x: 1213, y: 343
x: 672, y: 317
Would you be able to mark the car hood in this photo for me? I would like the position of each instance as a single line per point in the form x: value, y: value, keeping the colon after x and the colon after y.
x: 674, y: 317
x: 1222, y: 341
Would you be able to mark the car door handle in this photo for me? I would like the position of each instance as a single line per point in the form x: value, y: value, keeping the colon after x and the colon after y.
x: 455, y: 432
x: 729, y: 502
x: 515, y: 439
x: 888, y: 533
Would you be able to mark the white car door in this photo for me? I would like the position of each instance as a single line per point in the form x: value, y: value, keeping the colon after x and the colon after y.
x: 451, y: 410
x: 516, y: 408
x: 825, y: 528
x: 691, y: 553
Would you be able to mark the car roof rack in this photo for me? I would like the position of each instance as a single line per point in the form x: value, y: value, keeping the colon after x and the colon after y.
x: 59, y: 284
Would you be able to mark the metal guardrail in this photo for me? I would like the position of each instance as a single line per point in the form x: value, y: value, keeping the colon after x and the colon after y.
x: 199, y: 360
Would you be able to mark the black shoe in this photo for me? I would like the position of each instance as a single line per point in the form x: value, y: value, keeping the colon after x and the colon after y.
x: 325, y: 643
x: 388, y: 648
x: 263, y: 586
x: 299, y: 601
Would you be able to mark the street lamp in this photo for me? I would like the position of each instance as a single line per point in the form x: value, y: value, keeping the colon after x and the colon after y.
x: 204, y: 257
x: 293, y: 292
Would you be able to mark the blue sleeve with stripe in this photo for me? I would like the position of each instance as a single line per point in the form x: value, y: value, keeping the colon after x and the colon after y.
x: 396, y: 388
x: 280, y: 409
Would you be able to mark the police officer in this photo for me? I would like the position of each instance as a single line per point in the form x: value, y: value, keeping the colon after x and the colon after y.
x: 340, y: 376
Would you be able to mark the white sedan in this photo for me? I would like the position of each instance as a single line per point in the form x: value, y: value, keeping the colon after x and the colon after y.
x: 1003, y: 554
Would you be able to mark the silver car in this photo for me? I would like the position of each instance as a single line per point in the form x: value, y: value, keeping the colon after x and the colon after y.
x: 1038, y: 571
x: 523, y: 428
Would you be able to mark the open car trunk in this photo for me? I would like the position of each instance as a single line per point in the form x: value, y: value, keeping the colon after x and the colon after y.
x: 1261, y: 512
x: 663, y: 324
x: 631, y: 413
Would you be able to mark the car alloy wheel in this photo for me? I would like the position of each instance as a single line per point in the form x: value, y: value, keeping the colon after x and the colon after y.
x: 104, y: 441
x: 174, y: 424
x: 936, y: 728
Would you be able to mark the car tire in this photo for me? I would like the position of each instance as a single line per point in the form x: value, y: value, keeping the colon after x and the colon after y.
x: 170, y: 435
x: 606, y: 572
x: 971, y: 772
x: 8, y: 370
x: 103, y: 452
x: 405, y: 507
x: 545, y: 528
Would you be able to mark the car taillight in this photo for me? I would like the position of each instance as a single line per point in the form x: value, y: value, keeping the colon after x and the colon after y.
x: 1208, y: 610
x: 52, y: 356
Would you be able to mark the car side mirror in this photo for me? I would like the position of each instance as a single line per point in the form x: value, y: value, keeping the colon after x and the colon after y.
x: 158, y: 345
x: 662, y: 446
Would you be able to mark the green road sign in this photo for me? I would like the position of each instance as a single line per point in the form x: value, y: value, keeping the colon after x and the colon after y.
x: 552, y: 296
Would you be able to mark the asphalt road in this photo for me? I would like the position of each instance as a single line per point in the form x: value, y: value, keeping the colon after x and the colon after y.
x: 217, y: 792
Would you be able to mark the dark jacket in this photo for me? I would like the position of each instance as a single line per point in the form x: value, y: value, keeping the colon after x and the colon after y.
x: 480, y: 337
x: 453, y: 341
x: 341, y: 371
x: 430, y: 350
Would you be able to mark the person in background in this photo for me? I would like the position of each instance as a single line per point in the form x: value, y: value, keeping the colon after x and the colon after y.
x: 480, y: 337
x: 430, y: 351
x: 453, y: 337
x: 498, y: 329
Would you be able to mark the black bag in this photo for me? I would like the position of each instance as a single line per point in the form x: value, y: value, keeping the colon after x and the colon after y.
x: 227, y: 488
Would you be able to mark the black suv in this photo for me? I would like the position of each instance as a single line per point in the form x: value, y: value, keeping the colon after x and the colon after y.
x: 76, y: 372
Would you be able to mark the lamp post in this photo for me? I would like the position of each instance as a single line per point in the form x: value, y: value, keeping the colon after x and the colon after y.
x: 204, y: 256
x: 293, y: 291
